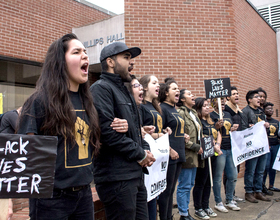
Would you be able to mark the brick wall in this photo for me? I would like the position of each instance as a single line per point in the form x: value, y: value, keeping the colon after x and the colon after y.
x: 194, y: 40
x: 191, y: 40
x: 256, y: 53
x: 27, y: 28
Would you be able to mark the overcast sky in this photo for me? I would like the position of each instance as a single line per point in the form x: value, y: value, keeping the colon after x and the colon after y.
x: 116, y: 6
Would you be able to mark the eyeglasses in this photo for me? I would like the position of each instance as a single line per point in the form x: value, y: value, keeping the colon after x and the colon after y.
x: 136, y: 85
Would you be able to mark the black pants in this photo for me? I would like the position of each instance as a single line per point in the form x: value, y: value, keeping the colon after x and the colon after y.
x: 165, y: 201
x: 124, y: 200
x: 65, y: 205
x: 202, y: 187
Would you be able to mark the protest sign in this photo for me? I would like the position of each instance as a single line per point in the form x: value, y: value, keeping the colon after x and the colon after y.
x: 249, y: 143
x: 27, y: 165
x: 215, y: 88
x: 276, y: 164
x: 207, y: 145
x: 155, y: 182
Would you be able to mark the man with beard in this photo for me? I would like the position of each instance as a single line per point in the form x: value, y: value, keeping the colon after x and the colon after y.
x: 236, y: 114
x: 118, y: 172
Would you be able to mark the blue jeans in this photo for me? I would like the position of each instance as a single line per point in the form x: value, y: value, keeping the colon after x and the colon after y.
x: 186, y: 183
x: 224, y: 163
x: 253, y: 177
x: 269, y: 164
x: 65, y: 205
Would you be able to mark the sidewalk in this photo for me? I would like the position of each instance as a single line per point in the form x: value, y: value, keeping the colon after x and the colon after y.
x: 249, y: 211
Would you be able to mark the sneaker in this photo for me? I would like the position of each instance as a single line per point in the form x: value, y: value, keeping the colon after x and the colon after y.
x: 220, y: 207
x: 201, y: 214
x: 210, y: 212
x: 274, y: 189
x: 232, y: 206
x: 237, y: 199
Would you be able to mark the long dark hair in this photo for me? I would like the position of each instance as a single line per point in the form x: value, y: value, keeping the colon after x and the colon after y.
x: 180, y: 102
x: 199, y: 102
x: 52, y: 89
x: 164, y: 87
x: 144, y: 81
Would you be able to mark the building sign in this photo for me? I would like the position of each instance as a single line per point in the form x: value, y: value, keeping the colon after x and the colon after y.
x: 96, y: 36
x: 110, y: 39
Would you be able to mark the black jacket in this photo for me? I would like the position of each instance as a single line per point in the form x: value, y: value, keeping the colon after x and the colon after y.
x: 119, y: 152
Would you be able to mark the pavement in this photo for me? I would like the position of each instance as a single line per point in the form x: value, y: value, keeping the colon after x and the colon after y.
x: 249, y: 211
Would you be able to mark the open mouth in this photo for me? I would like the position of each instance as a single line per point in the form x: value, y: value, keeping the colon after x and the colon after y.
x: 130, y: 68
x: 177, y: 96
x: 141, y: 96
x: 157, y: 91
x: 84, y: 68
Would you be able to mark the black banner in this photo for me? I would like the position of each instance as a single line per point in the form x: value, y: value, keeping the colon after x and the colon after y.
x: 207, y: 144
x: 215, y: 88
x: 27, y: 165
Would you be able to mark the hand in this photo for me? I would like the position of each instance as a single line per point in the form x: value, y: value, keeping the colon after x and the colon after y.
x: 250, y: 125
x: 219, y: 124
x: 217, y: 149
x: 149, y: 160
x: 187, y: 138
x: 167, y: 130
x: 173, y: 154
x: 143, y: 132
x: 119, y: 125
x: 149, y: 129
x: 10, y: 210
x: 266, y: 124
x: 200, y: 151
x: 234, y: 127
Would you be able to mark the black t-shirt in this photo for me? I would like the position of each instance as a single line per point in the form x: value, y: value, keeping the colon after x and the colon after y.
x: 226, y: 144
x: 236, y: 118
x: 150, y: 116
x: 272, y: 132
x: 209, y: 129
x: 9, y: 122
x: 172, y: 119
x: 74, y: 165
x: 259, y: 114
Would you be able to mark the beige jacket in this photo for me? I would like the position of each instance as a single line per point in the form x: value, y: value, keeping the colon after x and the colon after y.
x: 192, y: 147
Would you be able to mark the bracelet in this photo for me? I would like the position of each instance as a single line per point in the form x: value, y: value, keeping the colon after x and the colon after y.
x: 143, y: 157
x: 218, y: 144
x: 157, y: 135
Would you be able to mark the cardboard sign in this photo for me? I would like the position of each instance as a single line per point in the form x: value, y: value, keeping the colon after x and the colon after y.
x: 27, y: 165
x: 216, y: 88
x: 155, y: 182
x: 249, y: 143
x: 207, y: 144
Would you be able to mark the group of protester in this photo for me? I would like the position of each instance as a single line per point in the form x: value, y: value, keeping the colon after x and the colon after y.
x: 100, y: 130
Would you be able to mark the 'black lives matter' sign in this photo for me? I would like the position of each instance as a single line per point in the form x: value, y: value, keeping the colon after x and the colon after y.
x: 207, y: 144
x: 27, y: 165
x: 215, y: 88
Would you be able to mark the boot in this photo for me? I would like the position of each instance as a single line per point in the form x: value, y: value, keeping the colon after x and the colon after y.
x: 266, y: 192
x: 260, y: 196
x: 250, y: 197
